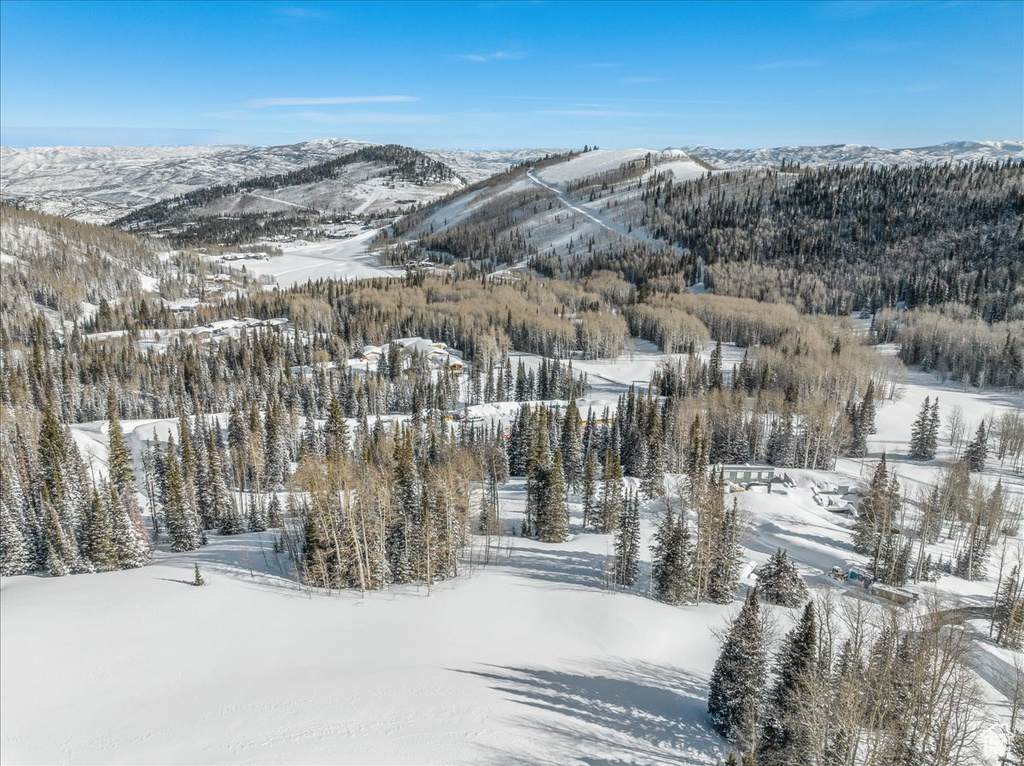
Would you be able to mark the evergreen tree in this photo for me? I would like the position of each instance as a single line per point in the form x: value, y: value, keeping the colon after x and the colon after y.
x: 977, y: 449
x: 876, y: 511
x: 627, y: 542
x: 181, y: 523
x: 197, y: 578
x: 723, y: 573
x: 921, y: 433
x: 336, y: 430
x: 780, y: 583
x: 867, y: 409
x: 739, y: 677
x: 128, y: 530
x: 613, y: 493
x: 589, y: 490
x: 275, y: 518
x: 934, y: 424
x: 15, y: 558
x: 552, y: 508
x: 672, y: 560
x: 786, y: 737
x: 572, y: 447
x: 1008, y: 614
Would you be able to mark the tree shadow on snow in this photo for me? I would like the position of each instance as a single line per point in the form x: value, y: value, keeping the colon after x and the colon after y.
x: 577, y: 569
x: 243, y: 557
x: 608, y: 714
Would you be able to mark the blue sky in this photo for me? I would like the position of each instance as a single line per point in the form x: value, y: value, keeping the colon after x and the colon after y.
x: 502, y: 75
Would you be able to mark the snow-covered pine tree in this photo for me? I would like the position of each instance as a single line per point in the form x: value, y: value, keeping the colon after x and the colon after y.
x: 181, y: 523
x: 920, y: 433
x: 572, y: 447
x: 786, y: 737
x: 652, y: 481
x: 934, y: 424
x: 723, y: 574
x: 977, y: 449
x: 867, y: 409
x: 17, y: 541
x: 612, y: 494
x: 275, y: 518
x: 128, y: 529
x: 99, y: 534
x: 671, y: 559
x: 217, y: 501
x: 738, y: 679
x: 335, y: 431
x: 627, y: 542
x: 1008, y: 614
x: 874, y: 511
x: 588, y: 490
x: 552, y: 507
x: 15, y: 557
x: 780, y: 583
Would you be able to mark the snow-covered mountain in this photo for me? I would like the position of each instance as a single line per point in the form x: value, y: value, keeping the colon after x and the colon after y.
x: 102, y: 183
x: 99, y: 184
x: 856, y: 154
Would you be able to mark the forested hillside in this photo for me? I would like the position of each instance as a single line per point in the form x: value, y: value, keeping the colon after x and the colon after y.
x: 828, y: 240
x: 371, y: 179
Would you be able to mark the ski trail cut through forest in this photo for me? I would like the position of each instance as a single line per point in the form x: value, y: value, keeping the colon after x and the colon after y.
x: 564, y: 199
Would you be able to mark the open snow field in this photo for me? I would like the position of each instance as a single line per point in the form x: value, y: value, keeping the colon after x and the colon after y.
x: 529, y: 659
x: 334, y: 259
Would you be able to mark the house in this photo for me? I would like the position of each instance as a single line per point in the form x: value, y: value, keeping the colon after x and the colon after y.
x: 455, y: 365
x: 745, y: 474
x: 370, y: 353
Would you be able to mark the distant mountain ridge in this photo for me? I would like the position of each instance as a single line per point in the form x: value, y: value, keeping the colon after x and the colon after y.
x: 857, y: 154
x: 103, y: 183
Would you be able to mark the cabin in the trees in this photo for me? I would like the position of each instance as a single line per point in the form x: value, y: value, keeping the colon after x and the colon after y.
x: 746, y: 475
x: 370, y: 353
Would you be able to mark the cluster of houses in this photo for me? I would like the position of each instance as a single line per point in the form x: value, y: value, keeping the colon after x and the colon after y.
x: 438, y: 355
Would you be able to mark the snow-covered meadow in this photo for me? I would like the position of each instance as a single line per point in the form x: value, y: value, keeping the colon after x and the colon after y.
x: 528, y: 657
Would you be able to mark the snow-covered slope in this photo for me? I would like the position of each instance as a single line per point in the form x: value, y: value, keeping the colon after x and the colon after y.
x: 101, y: 183
x: 856, y: 154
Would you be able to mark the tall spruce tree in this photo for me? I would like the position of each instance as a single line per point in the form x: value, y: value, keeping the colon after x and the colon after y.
x: 786, y: 736
x: 588, y: 490
x: 552, y: 507
x: 99, y: 533
x: 920, y: 433
x: 181, y: 523
x: 129, y: 530
x: 977, y: 449
x: 627, y: 542
x: 613, y: 493
x: 672, y: 559
x: 739, y: 677
x: 572, y: 447
x: 723, y: 570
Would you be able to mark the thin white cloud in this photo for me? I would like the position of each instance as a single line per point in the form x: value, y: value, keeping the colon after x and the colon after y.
x: 483, y: 58
x: 378, y: 118
x: 262, y: 103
